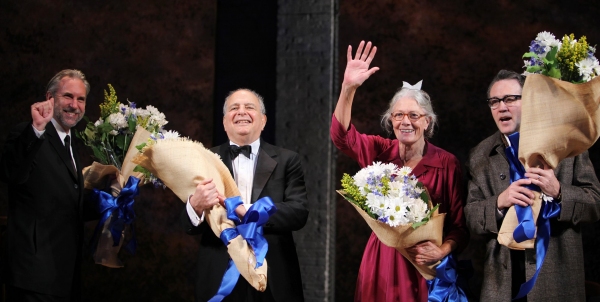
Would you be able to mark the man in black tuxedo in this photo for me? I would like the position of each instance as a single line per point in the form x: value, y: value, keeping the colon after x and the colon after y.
x: 262, y: 170
x: 45, y: 188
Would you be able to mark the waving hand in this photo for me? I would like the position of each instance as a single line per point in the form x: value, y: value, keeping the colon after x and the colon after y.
x: 357, y: 69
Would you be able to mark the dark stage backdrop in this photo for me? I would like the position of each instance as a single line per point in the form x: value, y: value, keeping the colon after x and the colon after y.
x: 456, y: 48
x: 165, y: 54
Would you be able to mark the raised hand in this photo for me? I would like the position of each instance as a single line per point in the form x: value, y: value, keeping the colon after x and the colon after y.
x: 357, y: 69
x: 42, y: 112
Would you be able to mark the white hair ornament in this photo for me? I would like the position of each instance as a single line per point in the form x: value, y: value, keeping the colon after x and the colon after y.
x: 415, y: 86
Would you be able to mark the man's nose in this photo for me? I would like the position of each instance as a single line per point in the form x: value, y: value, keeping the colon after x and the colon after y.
x: 502, y: 106
x: 72, y: 103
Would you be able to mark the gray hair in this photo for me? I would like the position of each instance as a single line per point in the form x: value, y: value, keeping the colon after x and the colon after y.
x: 506, y: 75
x: 424, y: 102
x: 52, y: 86
x: 263, y: 110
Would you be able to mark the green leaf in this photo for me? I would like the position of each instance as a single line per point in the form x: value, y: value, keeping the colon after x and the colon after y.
x: 89, y: 133
x: 132, y: 123
x: 105, y: 127
x: 534, y: 68
x: 140, y: 169
x: 99, y: 155
x: 420, y: 223
x: 140, y: 147
x: 531, y: 55
x: 120, y: 141
x: 551, y: 55
x: 554, y: 72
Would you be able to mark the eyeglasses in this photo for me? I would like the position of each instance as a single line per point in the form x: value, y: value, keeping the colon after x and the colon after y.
x: 507, y: 99
x: 413, y: 116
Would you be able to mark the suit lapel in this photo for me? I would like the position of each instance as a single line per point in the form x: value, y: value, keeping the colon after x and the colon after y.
x: 59, y: 147
x: 223, y: 152
x: 264, y: 168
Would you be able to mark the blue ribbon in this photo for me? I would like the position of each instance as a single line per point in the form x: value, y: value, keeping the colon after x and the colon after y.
x: 443, y: 287
x: 251, y: 229
x: 526, y: 228
x: 121, y: 209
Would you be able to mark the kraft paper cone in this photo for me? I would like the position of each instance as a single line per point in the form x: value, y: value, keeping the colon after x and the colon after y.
x: 510, y: 223
x: 558, y: 120
x: 403, y: 237
x: 181, y: 164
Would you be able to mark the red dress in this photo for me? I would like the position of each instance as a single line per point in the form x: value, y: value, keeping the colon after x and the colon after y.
x: 385, y: 275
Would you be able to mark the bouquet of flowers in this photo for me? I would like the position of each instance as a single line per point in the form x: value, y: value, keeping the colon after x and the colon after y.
x: 113, y: 177
x: 564, y: 74
x: 396, y: 206
x: 181, y: 164
x: 571, y: 60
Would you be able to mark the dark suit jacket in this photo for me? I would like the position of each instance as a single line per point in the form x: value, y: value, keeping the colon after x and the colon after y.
x: 278, y: 175
x: 562, y: 275
x: 45, y: 226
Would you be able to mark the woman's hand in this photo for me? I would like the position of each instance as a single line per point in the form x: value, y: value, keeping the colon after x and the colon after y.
x: 427, y: 253
x: 357, y: 69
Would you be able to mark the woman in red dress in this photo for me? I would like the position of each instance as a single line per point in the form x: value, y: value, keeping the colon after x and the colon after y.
x: 385, y: 275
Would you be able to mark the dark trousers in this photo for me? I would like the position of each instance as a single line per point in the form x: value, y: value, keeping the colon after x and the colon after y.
x: 16, y: 294
x: 517, y: 259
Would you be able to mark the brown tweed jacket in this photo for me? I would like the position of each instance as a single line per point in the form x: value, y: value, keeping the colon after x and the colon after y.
x: 562, y: 275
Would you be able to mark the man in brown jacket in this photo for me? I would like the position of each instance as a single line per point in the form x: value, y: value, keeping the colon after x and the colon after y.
x: 573, y: 184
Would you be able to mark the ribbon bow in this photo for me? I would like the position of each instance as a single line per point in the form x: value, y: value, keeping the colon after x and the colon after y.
x: 415, y: 86
x: 443, y: 287
x: 234, y: 151
x: 121, y: 210
x: 251, y: 229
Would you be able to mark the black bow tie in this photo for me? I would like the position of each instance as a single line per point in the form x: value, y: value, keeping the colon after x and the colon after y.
x: 235, y: 151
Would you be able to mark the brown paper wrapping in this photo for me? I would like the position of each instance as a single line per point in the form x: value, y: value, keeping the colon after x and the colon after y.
x: 403, y: 237
x: 558, y: 120
x: 181, y: 164
x: 99, y: 176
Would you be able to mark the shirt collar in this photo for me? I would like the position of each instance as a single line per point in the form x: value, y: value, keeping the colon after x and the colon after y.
x: 59, y: 129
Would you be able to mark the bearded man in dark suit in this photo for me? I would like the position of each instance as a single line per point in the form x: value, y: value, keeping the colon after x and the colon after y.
x: 264, y: 170
x: 45, y: 187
